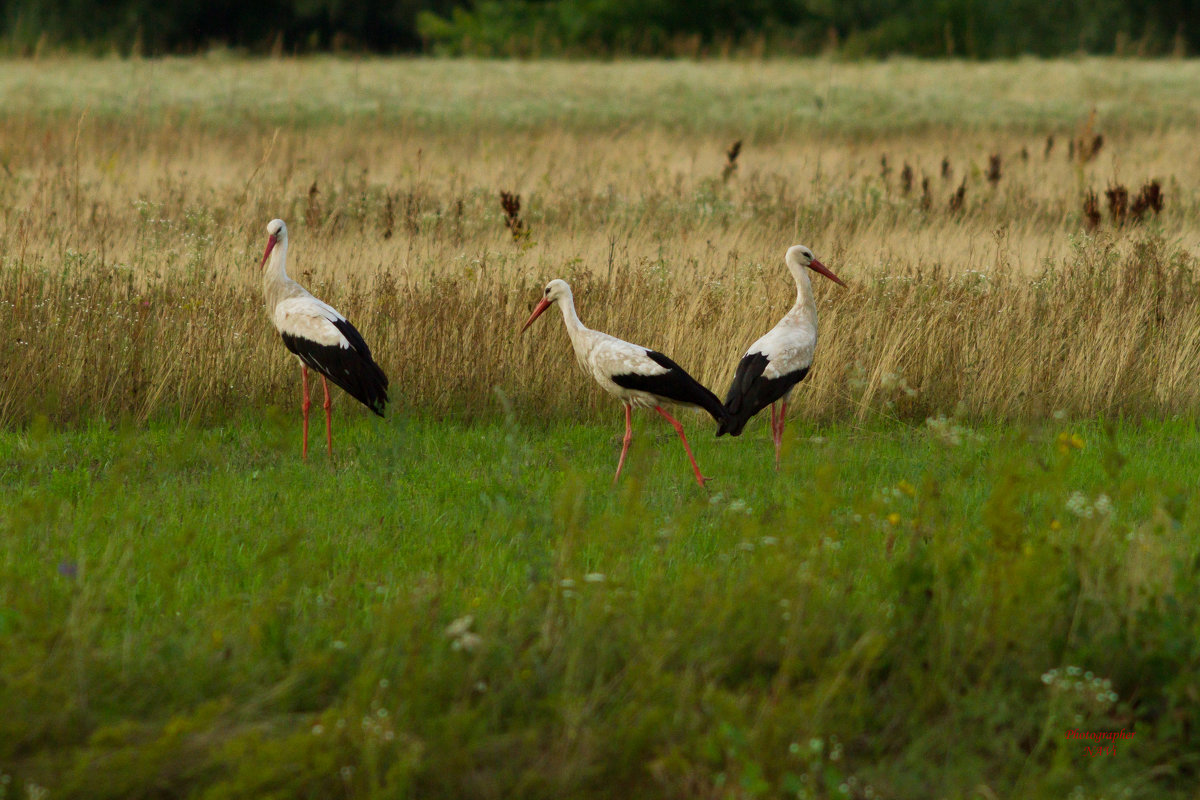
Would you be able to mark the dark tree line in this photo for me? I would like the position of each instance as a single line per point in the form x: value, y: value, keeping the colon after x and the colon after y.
x: 181, y: 26
x: 970, y: 28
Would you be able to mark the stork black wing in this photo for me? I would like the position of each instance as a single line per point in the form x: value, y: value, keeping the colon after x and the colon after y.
x: 351, y: 368
x: 751, y: 392
x: 674, y: 384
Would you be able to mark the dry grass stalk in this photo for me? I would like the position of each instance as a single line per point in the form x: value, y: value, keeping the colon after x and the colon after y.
x: 885, y: 171
x: 947, y: 170
x: 1049, y: 145
x: 926, y: 194
x: 389, y: 216
x: 906, y: 178
x: 312, y: 211
x: 412, y: 213
x: 731, y: 156
x: 1087, y: 144
x: 997, y: 344
x: 154, y: 311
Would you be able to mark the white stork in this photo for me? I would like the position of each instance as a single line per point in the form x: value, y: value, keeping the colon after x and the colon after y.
x: 634, y: 375
x: 774, y: 364
x: 320, y: 337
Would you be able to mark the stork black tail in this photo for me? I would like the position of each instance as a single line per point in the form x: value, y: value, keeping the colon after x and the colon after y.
x: 712, y: 404
x: 367, y: 384
x: 750, y: 392
x: 353, y: 370
x: 675, y: 384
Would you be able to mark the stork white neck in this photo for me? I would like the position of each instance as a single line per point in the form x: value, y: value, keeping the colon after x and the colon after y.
x: 805, y: 307
x: 575, y: 328
x: 277, y: 285
x: 583, y: 339
x: 276, y: 266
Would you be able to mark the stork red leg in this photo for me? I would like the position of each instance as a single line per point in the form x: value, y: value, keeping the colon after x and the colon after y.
x: 628, y: 439
x: 779, y: 432
x: 700, y: 479
x: 304, y: 405
x: 328, y: 417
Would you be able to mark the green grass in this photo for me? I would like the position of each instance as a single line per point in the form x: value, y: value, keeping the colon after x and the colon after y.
x: 762, y: 100
x: 197, y: 612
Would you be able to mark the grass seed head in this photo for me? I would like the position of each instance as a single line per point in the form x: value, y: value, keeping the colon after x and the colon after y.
x: 993, y: 170
x: 960, y: 194
x: 1091, y: 210
x: 511, y: 203
x: 1118, y: 203
x: 1149, y: 198
x: 731, y: 160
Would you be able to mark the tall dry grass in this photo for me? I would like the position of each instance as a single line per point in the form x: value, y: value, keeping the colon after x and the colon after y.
x: 130, y: 241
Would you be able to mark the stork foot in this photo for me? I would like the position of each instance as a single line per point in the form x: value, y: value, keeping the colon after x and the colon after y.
x: 700, y: 479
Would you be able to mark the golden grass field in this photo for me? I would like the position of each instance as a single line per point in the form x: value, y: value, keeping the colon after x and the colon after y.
x: 134, y: 197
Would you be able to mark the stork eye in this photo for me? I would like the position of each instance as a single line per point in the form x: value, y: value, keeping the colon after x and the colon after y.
x: 547, y: 292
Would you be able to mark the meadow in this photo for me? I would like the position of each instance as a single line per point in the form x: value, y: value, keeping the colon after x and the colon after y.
x: 981, y: 537
x: 472, y: 611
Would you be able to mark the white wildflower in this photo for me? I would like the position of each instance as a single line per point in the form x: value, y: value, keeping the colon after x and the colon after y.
x: 460, y: 626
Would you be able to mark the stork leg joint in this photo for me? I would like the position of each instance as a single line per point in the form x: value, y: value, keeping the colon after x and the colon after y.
x: 700, y: 479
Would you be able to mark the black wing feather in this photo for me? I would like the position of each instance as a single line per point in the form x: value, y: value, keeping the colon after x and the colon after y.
x: 674, y: 384
x: 351, y: 368
x: 751, y: 392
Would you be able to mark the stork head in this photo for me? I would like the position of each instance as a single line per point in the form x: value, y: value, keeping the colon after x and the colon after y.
x: 555, y: 290
x: 800, y: 257
x: 276, y: 233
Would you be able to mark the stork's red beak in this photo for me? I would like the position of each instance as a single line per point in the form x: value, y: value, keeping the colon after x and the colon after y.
x: 270, y: 246
x: 824, y: 270
x: 542, y: 306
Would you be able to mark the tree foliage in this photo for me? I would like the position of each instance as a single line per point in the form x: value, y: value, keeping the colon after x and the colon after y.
x: 965, y: 28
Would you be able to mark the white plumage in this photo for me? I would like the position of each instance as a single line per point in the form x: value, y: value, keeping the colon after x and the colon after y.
x: 635, y: 375
x: 790, y: 345
x: 319, y: 336
x: 308, y: 317
x: 603, y: 356
x: 781, y: 358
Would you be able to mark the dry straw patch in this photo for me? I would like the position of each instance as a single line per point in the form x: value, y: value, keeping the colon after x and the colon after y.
x: 131, y: 237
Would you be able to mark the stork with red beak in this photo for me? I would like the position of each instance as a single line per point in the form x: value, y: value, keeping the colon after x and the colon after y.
x: 778, y: 361
x: 634, y: 375
x: 320, y: 337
